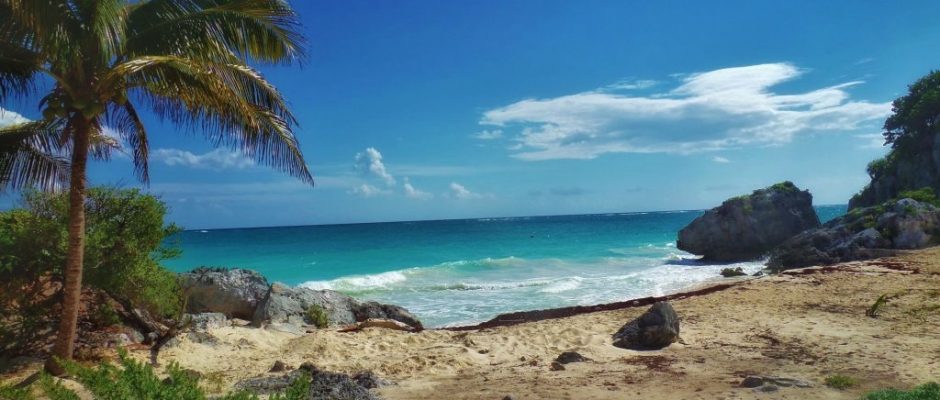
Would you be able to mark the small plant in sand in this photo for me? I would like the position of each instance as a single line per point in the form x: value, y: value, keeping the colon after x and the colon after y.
x: 876, y: 306
x: 841, y: 382
x: 928, y: 391
x: 316, y: 315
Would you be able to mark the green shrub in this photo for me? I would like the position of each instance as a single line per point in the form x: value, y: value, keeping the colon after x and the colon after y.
x: 316, y: 315
x: 133, y: 380
x: 929, y: 391
x: 12, y: 393
x: 923, y: 195
x: 841, y: 382
x: 125, y: 241
x: 785, y: 187
x: 877, y: 167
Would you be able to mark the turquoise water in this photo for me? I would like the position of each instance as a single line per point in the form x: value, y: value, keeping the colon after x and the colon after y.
x: 456, y: 272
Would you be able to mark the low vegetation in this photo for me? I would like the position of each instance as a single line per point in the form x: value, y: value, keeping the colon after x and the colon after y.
x: 841, y: 382
x: 929, y: 391
x: 134, y: 380
x: 316, y: 315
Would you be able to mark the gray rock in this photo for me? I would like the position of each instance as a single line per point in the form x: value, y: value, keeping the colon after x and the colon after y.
x: 905, y: 172
x: 326, y: 385
x: 571, y: 357
x: 768, y: 388
x: 235, y: 293
x: 205, y: 321
x: 202, y: 338
x: 747, y: 227
x: 732, y: 272
x: 371, y: 309
x: 658, y: 327
x: 285, y: 304
x: 752, y: 382
x: 861, y: 234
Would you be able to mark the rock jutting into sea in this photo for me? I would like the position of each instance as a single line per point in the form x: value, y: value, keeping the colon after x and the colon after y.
x: 747, y: 227
x: 863, y: 233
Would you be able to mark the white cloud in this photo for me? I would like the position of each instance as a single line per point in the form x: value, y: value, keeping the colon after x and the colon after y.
x: 492, y: 134
x: 460, y: 192
x: 413, y: 193
x: 369, y: 163
x: 8, y: 118
x: 871, y: 141
x: 367, y: 190
x: 708, y: 111
x: 217, y: 159
x: 720, y: 159
x: 631, y: 85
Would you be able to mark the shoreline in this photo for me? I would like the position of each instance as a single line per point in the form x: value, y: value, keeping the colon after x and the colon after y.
x: 804, y: 324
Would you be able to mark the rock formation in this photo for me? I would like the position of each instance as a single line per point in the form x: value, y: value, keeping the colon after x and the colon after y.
x: 233, y: 292
x: 863, y: 233
x: 245, y: 294
x: 658, y: 327
x: 747, y: 227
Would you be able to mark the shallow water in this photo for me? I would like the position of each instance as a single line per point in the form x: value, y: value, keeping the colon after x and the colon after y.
x: 456, y: 272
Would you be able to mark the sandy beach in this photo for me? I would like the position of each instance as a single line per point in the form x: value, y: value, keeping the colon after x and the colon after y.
x: 804, y: 324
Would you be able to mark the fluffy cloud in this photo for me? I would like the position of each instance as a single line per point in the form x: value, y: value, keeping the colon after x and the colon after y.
x: 8, y: 118
x: 489, y: 134
x: 217, y: 159
x: 708, y: 111
x: 460, y: 192
x: 413, y: 193
x: 720, y: 160
x: 369, y: 164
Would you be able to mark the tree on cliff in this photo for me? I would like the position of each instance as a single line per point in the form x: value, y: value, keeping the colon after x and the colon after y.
x: 916, y: 117
x: 99, y: 60
x: 913, y: 131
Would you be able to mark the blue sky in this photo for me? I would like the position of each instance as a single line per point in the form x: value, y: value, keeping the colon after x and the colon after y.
x: 426, y: 109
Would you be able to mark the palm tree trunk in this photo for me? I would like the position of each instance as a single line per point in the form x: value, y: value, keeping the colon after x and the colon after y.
x: 72, y: 291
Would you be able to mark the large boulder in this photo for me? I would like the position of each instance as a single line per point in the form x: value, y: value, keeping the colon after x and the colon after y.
x: 747, y: 227
x: 233, y: 292
x: 861, y: 234
x: 658, y: 327
x: 285, y: 304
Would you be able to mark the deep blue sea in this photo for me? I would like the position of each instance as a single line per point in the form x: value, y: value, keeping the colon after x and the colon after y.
x: 457, y: 272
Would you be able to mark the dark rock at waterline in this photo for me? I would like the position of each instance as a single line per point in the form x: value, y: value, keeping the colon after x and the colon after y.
x: 658, y: 327
x: 747, y: 227
x: 570, y: 357
x: 235, y: 293
x: 732, y: 272
x: 863, y: 233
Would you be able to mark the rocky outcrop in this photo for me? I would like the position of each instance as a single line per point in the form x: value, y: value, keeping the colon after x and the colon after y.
x: 861, y: 234
x: 233, y: 292
x: 214, y: 295
x: 290, y: 305
x: 747, y: 227
x: 658, y: 327
x: 918, y: 168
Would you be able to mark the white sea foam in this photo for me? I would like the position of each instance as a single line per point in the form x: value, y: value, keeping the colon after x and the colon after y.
x: 381, y: 280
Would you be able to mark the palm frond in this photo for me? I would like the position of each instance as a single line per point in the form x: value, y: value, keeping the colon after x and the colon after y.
x: 127, y: 124
x: 30, y: 155
x: 105, y: 21
x: 219, y: 30
x: 52, y: 27
x: 231, y: 104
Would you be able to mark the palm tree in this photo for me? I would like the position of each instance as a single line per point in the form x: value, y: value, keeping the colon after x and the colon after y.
x: 99, y: 60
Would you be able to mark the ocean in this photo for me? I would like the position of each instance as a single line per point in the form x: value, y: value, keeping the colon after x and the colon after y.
x: 459, y: 272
